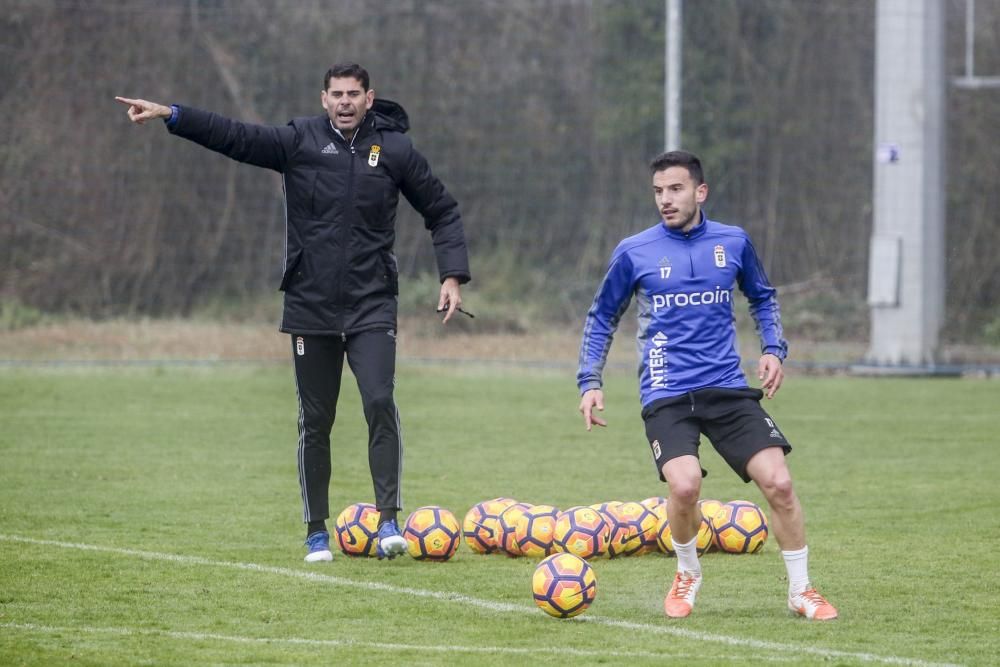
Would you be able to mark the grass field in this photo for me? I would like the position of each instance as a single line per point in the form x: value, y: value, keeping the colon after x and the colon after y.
x: 151, y: 515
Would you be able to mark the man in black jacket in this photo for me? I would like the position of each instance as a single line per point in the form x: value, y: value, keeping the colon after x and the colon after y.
x: 342, y: 172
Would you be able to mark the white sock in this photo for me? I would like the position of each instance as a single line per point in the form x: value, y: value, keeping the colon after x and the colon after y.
x: 687, y: 556
x: 797, y: 563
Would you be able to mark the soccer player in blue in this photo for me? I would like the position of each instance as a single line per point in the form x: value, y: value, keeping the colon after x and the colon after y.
x: 682, y: 272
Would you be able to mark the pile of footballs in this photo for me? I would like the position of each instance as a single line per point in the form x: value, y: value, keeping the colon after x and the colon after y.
x: 564, y: 584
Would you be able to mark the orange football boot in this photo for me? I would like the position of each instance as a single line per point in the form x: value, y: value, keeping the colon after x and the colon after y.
x: 680, y: 599
x: 812, y: 605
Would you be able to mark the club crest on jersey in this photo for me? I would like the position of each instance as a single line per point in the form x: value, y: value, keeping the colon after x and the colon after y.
x: 665, y: 267
x: 720, y: 256
x: 374, y: 155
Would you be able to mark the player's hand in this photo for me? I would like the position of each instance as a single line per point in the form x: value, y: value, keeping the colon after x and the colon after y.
x: 592, y: 398
x: 770, y: 373
x: 139, y: 111
x: 450, y: 298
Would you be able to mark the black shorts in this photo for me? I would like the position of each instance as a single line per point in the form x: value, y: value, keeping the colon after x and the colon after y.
x: 732, y: 419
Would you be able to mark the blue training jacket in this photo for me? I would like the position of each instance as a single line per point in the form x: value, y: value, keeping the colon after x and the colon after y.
x: 683, y: 287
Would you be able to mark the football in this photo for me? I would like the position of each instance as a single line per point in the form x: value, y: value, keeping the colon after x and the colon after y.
x: 507, y: 527
x: 581, y: 531
x: 431, y: 533
x: 708, y: 509
x: 703, y: 539
x: 621, y: 534
x: 605, y: 511
x: 740, y: 527
x: 656, y: 504
x: 356, y: 529
x: 633, y: 530
x: 480, y: 525
x: 603, y: 507
x: 564, y: 585
x: 534, y: 531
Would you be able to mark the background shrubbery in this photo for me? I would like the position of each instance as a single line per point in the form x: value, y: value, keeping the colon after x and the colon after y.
x: 539, y: 116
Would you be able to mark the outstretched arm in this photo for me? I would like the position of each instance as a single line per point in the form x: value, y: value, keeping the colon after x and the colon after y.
x: 139, y: 111
x: 260, y: 145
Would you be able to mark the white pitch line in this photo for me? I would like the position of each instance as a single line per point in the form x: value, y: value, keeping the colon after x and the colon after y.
x: 340, y: 643
x: 490, y: 605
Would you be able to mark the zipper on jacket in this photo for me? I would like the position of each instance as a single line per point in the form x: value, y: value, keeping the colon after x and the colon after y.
x: 345, y: 232
x: 690, y: 245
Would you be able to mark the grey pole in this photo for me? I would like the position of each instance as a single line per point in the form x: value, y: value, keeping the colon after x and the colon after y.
x: 906, y: 273
x: 672, y: 70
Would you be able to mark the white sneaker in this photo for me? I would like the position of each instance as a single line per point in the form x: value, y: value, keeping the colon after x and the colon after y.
x: 319, y: 547
x: 680, y: 599
x: 390, y: 542
x: 812, y: 605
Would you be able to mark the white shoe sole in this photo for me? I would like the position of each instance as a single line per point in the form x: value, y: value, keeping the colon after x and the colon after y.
x: 319, y: 556
x: 394, y: 545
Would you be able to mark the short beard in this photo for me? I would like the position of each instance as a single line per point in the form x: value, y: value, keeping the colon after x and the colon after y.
x: 682, y: 224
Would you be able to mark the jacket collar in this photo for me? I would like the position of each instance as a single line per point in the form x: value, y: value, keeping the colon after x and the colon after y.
x: 693, y: 233
x: 368, y: 120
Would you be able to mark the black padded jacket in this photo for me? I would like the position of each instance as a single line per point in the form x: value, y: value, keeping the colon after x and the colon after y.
x: 340, y: 274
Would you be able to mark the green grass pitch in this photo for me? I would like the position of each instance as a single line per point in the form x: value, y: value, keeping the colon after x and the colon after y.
x: 152, y: 516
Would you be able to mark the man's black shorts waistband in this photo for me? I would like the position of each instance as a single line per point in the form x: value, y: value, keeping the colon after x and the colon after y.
x: 698, y: 396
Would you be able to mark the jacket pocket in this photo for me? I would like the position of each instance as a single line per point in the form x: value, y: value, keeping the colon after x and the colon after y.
x: 290, y: 269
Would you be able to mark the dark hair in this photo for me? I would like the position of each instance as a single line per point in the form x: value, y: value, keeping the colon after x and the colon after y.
x: 346, y: 70
x: 684, y: 159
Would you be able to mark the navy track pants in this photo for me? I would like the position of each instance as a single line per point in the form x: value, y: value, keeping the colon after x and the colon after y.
x: 319, y: 363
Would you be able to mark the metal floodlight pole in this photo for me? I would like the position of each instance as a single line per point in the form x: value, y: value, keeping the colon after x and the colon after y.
x: 906, y: 262
x: 672, y: 75
x: 970, y: 35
